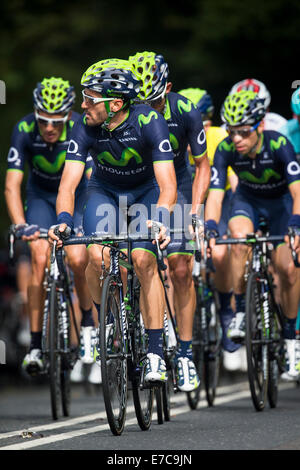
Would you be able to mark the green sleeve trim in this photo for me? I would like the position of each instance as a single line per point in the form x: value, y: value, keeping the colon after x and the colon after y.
x: 76, y: 161
x: 293, y: 182
x: 199, y: 156
x: 144, y: 249
x: 180, y: 253
x: 164, y: 161
x: 15, y: 169
x: 217, y: 189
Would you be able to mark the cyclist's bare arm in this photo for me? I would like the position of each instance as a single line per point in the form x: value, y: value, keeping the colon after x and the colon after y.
x: 166, y: 180
x: 12, y: 192
x: 201, y: 183
x: 295, y: 193
x: 65, y: 201
x: 213, y: 208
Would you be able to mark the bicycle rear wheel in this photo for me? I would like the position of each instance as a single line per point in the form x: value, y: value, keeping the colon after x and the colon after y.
x: 257, y: 348
x: 113, y: 353
x: 159, y: 405
x: 54, y: 356
x: 166, y: 392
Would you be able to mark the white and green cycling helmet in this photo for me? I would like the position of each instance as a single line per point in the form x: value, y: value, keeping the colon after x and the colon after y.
x: 153, y: 72
x: 243, y: 108
x: 54, y: 95
x: 113, y: 78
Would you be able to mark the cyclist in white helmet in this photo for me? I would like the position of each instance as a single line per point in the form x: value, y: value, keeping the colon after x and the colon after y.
x: 272, y: 121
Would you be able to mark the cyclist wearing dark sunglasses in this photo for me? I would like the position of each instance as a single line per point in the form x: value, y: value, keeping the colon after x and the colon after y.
x: 269, y: 186
x: 41, y: 139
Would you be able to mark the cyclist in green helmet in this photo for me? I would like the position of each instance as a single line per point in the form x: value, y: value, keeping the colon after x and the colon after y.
x: 131, y: 151
x: 41, y: 139
x: 269, y: 186
x: 185, y: 127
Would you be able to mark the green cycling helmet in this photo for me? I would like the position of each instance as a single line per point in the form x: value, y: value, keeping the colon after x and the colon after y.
x: 112, y: 78
x: 201, y: 99
x: 54, y: 95
x: 153, y: 72
x: 243, y: 108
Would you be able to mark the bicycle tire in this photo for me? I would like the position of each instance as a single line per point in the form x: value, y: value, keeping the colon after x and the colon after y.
x: 113, y: 354
x: 142, y: 396
x: 65, y: 374
x: 212, y: 356
x: 54, y: 357
x: 198, y: 356
x: 159, y: 405
x: 166, y: 391
x: 257, y: 350
x: 276, y: 354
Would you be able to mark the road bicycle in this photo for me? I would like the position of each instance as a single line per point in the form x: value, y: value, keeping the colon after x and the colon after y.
x: 207, y: 333
x: 58, y: 354
x: 122, y: 339
x: 264, y: 318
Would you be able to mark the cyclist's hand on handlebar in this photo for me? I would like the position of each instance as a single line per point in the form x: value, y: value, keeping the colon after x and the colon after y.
x: 211, y: 233
x: 197, y: 224
x: 26, y: 232
x: 59, y: 233
x: 163, y: 234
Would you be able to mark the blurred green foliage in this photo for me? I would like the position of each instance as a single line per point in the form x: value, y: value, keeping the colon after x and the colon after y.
x: 207, y: 43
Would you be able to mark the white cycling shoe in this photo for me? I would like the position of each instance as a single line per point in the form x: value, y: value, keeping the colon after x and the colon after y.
x: 33, y: 362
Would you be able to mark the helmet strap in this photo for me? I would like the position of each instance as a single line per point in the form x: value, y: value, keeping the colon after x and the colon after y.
x: 110, y: 114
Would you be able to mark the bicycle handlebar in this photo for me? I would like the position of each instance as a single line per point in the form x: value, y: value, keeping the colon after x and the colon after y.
x: 252, y: 239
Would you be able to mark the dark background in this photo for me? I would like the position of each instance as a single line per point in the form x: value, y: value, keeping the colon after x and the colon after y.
x: 209, y: 44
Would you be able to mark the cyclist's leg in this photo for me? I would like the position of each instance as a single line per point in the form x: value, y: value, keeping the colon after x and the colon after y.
x: 41, y: 211
x: 77, y: 260
x: 243, y: 220
x: 223, y: 281
x: 289, y: 280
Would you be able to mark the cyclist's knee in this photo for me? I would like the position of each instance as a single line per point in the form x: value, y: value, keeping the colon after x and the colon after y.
x: 144, y: 263
x: 78, y: 263
x: 180, y: 271
x: 287, y: 272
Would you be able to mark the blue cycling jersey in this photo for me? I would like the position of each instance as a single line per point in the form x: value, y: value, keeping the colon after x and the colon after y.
x: 267, y: 175
x: 46, y: 161
x: 124, y: 156
x: 185, y: 127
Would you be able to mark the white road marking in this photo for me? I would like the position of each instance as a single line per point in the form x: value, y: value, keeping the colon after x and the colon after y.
x: 230, y: 396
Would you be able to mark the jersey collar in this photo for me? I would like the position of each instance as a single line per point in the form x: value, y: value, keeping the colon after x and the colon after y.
x: 167, y: 110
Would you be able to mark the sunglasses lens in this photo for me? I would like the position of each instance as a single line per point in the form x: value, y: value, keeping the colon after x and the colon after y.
x: 244, y: 133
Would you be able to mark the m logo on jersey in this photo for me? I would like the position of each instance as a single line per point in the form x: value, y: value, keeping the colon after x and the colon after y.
x: 276, y: 144
x: 267, y: 174
x: 126, y: 156
x: 24, y: 127
x: 184, y: 106
x: 144, y: 120
x: 41, y: 163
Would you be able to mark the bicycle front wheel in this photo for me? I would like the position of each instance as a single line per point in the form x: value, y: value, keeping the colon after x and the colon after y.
x: 54, y: 356
x: 113, y: 353
x: 212, y: 355
x: 257, y: 348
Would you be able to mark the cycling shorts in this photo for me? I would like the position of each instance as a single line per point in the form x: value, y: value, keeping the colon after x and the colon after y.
x: 276, y: 210
x: 40, y: 208
x: 112, y: 210
x: 180, y: 218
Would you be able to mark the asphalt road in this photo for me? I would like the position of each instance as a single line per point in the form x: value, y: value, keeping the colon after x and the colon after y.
x: 231, y: 424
